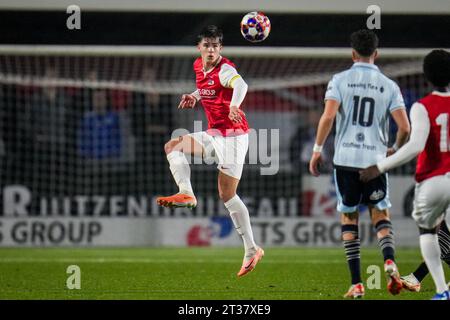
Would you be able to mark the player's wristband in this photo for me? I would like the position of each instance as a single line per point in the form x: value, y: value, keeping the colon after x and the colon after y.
x: 317, y: 148
x: 395, y: 147
x: 196, y: 95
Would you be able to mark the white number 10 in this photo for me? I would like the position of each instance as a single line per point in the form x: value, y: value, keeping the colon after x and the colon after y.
x: 442, y: 120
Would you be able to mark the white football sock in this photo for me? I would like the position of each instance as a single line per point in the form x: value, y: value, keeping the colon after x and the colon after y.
x: 431, y: 253
x: 241, y: 219
x: 181, y: 171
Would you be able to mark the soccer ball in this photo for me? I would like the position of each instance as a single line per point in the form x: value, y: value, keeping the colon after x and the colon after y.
x: 255, y: 26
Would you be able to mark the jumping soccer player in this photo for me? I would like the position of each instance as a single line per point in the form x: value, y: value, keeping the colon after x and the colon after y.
x: 430, y: 139
x: 221, y: 91
x: 362, y: 98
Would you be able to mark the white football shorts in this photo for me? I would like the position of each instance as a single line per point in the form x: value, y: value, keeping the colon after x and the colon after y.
x: 432, y: 201
x: 227, y: 152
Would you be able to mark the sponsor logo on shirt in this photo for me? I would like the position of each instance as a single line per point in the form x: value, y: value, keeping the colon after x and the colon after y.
x: 360, y: 137
x: 207, y: 93
x: 363, y: 86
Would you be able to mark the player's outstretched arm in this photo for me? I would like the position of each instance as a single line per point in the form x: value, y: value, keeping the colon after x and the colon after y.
x: 189, y: 100
x: 419, y: 135
x: 323, y: 130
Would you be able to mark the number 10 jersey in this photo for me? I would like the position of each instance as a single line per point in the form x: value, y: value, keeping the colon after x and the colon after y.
x: 366, y: 97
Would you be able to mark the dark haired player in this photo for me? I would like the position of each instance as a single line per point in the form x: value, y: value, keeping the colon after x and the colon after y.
x: 430, y: 139
x: 221, y: 91
x: 361, y: 98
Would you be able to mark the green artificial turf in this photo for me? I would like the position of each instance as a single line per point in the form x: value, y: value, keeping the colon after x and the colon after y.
x: 192, y: 273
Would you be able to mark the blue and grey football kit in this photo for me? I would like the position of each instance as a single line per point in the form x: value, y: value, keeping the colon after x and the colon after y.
x: 366, y: 97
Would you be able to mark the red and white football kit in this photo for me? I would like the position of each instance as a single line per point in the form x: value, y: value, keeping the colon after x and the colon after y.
x: 430, y: 136
x: 215, y: 90
x: 434, y: 160
x: 225, y: 142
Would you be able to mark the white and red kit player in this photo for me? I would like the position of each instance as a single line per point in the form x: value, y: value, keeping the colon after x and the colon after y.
x: 221, y: 91
x: 430, y: 139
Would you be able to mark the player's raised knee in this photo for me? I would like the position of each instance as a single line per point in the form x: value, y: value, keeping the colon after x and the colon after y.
x: 226, y: 195
x: 170, y: 146
x: 222, y: 195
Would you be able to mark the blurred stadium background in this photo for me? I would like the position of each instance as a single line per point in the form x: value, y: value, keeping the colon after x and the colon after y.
x: 84, y: 115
